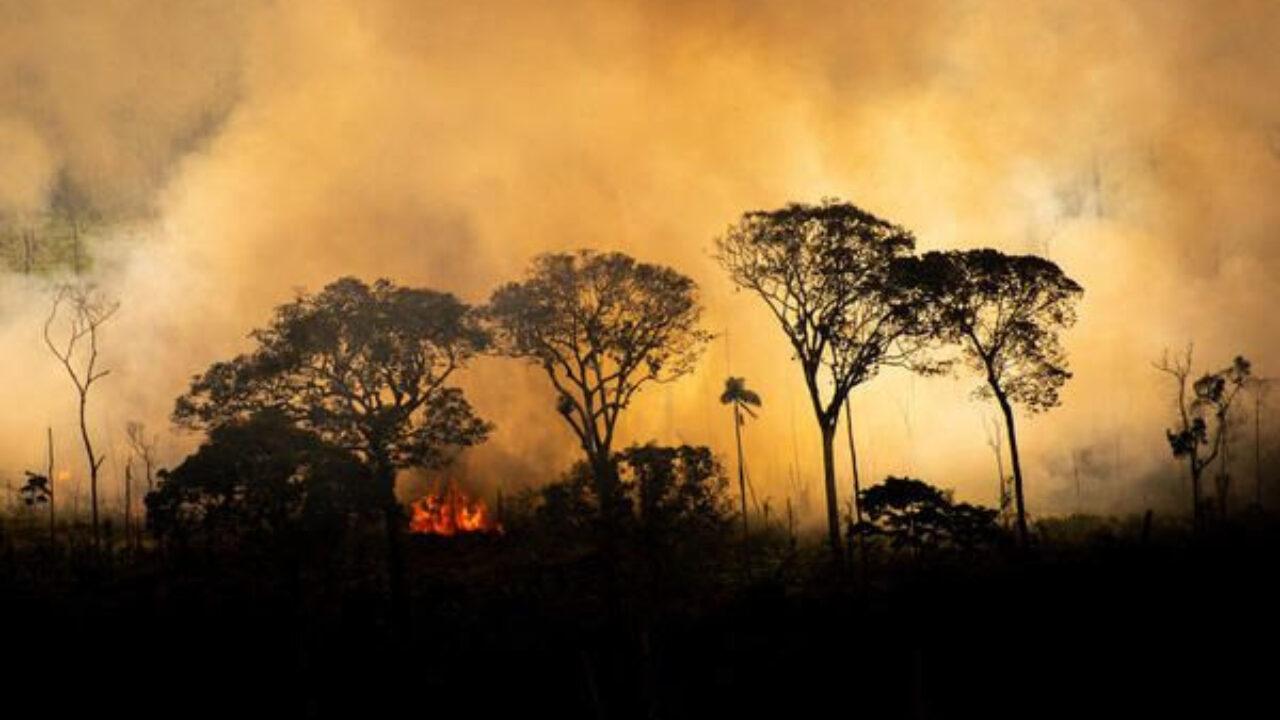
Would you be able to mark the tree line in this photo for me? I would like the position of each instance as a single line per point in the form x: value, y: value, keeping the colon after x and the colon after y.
x: 368, y: 368
x: 367, y: 371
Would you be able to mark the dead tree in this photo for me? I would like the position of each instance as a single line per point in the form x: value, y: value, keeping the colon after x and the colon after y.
x: 995, y: 441
x: 144, y: 449
x: 76, y: 349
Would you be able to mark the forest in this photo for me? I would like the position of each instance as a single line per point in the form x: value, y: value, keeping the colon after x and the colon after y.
x: 626, y: 359
x: 277, y: 564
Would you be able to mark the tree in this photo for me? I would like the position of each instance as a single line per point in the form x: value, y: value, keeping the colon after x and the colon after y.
x: 669, y: 500
x: 1207, y: 399
x: 259, y: 482
x: 601, y: 326
x: 742, y: 399
x: 76, y: 349
x: 831, y: 274
x: 366, y: 368
x: 143, y: 447
x: 1005, y: 313
x: 995, y: 441
x: 916, y: 516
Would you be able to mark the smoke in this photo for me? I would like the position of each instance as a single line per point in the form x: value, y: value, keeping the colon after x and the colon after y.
x: 243, y: 150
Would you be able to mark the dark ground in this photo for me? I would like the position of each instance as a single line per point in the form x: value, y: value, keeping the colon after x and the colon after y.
x: 1097, y: 628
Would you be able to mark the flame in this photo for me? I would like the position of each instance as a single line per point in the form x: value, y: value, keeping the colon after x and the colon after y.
x: 450, y: 512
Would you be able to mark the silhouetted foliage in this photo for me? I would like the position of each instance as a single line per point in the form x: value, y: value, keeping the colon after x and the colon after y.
x: 602, y: 326
x: 666, y: 496
x: 742, y: 399
x: 72, y: 333
x: 916, y: 516
x: 36, y: 490
x: 258, y: 481
x: 365, y: 367
x: 1206, y: 400
x: 1005, y: 312
x: 831, y: 275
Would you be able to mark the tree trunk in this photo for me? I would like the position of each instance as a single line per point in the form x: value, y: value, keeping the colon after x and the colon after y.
x: 605, y: 476
x: 742, y: 473
x: 128, y: 504
x: 829, y: 483
x: 857, y: 491
x: 392, y: 518
x: 1193, y: 466
x: 53, y: 515
x: 853, y: 460
x: 1002, y: 493
x: 1019, y: 501
x: 1257, y: 450
x: 1224, y: 470
x: 93, y: 471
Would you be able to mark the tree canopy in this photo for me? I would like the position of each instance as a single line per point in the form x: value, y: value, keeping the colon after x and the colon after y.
x: 1005, y: 312
x: 602, y: 326
x: 365, y: 367
x: 912, y: 514
x: 831, y: 275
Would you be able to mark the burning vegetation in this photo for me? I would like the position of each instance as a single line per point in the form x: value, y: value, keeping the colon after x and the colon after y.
x: 449, y: 511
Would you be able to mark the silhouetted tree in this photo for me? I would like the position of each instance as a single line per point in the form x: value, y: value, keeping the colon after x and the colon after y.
x: 666, y: 498
x: 36, y: 490
x: 914, y: 515
x: 601, y: 326
x: 260, y: 481
x: 143, y: 447
x: 995, y: 441
x: 1004, y: 312
x: 366, y: 368
x: 830, y: 274
x: 1198, y: 403
x: 76, y: 349
x: 742, y: 399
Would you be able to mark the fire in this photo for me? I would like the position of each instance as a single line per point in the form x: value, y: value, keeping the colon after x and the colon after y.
x: 450, y: 511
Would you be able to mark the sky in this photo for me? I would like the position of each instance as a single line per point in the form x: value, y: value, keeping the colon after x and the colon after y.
x: 245, y: 150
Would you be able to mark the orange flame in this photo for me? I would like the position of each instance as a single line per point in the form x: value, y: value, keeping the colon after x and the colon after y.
x: 450, y: 512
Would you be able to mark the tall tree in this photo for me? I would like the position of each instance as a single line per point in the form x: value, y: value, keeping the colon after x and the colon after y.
x: 742, y: 399
x: 367, y: 369
x: 1005, y: 313
x: 71, y: 332
x: 601, y: 326
x: 831, y: 274
x: 1206, y: 400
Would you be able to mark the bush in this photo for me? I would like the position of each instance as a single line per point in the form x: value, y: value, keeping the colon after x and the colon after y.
x: 256, y: 482
x: 911, y: 514
x: 668, y: 496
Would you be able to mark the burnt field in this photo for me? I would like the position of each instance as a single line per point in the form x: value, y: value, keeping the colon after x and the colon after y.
x: 527, y: 622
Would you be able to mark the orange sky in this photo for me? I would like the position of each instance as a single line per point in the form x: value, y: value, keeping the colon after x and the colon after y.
x: 248, y: 149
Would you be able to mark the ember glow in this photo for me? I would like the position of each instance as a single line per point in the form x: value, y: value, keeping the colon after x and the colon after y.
x: 450, y: 511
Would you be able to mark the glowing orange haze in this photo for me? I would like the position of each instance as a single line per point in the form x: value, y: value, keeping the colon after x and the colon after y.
x: 253, y: 148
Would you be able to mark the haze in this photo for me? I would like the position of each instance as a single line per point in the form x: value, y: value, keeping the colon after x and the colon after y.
x: 240, y: 151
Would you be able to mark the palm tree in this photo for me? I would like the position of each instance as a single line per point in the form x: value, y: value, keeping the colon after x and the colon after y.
x: 736, y: 394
